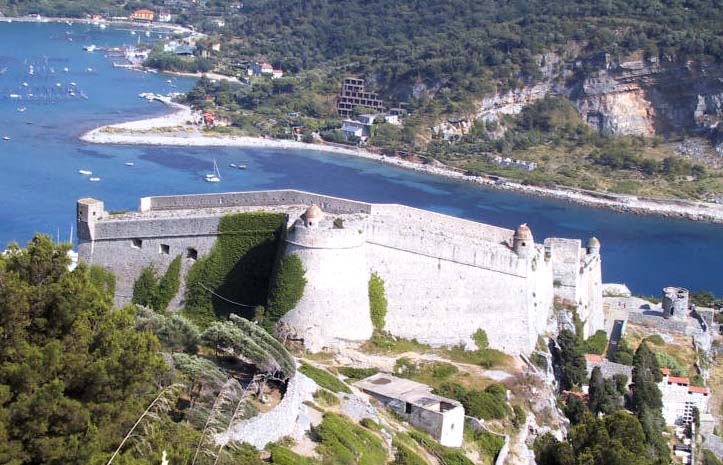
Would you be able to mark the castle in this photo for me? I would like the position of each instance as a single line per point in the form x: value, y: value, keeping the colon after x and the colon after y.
x: 444, y: 277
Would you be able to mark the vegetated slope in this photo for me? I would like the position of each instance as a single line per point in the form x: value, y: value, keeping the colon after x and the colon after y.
x: 461, y: 43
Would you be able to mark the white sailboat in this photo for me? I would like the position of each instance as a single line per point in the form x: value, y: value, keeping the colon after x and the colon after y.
x: 215, y: 176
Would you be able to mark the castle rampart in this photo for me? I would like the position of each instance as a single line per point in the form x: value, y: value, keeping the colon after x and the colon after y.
x: 444, y: 277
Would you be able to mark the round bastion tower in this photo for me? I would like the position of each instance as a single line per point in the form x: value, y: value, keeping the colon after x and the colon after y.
x: 335, y: 304
x: 593, y: 246
x: 522, y: 242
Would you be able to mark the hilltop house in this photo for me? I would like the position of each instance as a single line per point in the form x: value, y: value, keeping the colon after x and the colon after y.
x: 679, y: 398
x: 441, y: 417
x: 143, y: 15
x: 260, y: 69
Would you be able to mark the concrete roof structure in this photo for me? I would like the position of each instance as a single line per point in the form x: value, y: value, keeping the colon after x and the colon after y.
x: 402, y: 389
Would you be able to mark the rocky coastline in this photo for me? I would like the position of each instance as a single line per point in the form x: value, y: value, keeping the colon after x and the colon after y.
x: 173, y: 130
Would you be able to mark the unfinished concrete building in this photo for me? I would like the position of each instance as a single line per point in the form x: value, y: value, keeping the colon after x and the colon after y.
x: 441, y: 417
x: 354, y: 95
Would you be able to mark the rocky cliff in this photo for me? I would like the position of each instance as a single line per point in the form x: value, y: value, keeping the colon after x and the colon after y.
x: 634, y: 97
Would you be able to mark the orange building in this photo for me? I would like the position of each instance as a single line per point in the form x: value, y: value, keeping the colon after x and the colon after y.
x: 143, y: 15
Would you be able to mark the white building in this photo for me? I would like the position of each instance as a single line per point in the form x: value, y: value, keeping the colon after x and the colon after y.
x: 679, y: 398
x: 441, y: 417
x: 355, y: 129
x: 277, y: 74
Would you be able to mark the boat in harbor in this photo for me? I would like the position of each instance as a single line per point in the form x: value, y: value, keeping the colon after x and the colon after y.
x: 90, y: 48
x: 21, y: 109
x: 215, y: 176
x: 94, y: 179
x: 85, y: 172
x: 130, y: 163
x: 6, y: 137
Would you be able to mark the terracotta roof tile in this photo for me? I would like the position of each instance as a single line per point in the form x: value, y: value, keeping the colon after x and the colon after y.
x: 678, y: 380
x: 593, y: 358
x: 698, y: 389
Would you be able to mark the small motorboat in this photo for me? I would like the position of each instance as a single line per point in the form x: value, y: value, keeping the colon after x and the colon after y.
x: 130, y: 163
x: 89, y: 48
x: 94, y: 179
x: 6, y: 137
x: 21, y: 109
x: 85, y: 172
x: 242, y: 167
x: 66, y: 69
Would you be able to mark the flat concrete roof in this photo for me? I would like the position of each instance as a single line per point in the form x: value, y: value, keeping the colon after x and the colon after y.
x: 406, y: 390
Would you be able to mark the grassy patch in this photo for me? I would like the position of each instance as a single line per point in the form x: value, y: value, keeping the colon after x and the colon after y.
x: 324, y: 379
x: 355, y: 374
x: 445, y: 455
x: 488, y: 404
x: 385, y: 343
x: 282, y: 456
x: 486, y: 358
x: 325, y: 398
x: 342, y: 442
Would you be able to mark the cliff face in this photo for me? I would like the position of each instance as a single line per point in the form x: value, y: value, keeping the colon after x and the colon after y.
x: 637, y: 97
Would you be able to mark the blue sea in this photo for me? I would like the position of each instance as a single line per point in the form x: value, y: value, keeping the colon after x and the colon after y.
x: 39, y: 179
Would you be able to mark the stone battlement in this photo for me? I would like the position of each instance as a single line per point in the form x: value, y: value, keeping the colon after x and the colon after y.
x: 445, y: 277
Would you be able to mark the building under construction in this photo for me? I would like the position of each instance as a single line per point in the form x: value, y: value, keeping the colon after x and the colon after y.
x: 353, y: 95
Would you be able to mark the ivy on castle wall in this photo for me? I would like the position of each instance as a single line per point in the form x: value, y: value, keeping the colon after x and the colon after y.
x: 155, y: 293
x: 238, y: 268
x: 377, y: 302
x: 286, y: 290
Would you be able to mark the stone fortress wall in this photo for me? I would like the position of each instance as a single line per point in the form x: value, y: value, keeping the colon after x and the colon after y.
x: 445, y: 277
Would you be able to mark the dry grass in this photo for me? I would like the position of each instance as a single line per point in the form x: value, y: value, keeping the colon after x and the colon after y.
x: 680, y: 349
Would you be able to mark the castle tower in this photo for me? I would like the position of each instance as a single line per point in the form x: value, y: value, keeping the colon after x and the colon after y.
x: 335, y: 306
x: 675, y: 303
x: 88, y: 212
x: 593, y: 246
x: 522, y: 242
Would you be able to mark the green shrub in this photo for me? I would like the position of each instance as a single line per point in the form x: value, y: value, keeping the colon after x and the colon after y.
x: 103, y: 280
x: 355, y: 374
x: 480, y: 338
x: 597, y: 343
x: 520, y: 416
x: 168, y: 285
x: 153, y: 293
x: 325, y: 398
x: 490, y: 404
x: 441, y: 370
x: 282, y: 456
x: 287, y: 289
x: 446, y: 455
x: 668, y: 361
x: 489, y: 444
x: 656, y: 339
x: 368, y: 423
x: 377, y: 302
x: 324, y: 379
x: 405, y: 455
x: 144, y: 289
x: 342, y: 442
x: 486, y: 358
x: 238, y: 267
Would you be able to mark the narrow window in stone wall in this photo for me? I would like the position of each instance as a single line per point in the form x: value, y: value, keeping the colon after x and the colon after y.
x: 192, y: 253
x: 136, y: 243
x: 408, y: 408
x: 164, y: 249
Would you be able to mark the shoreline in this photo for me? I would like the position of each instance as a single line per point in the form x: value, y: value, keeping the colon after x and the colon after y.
x: 149, y: 132
x: 171, y: 27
